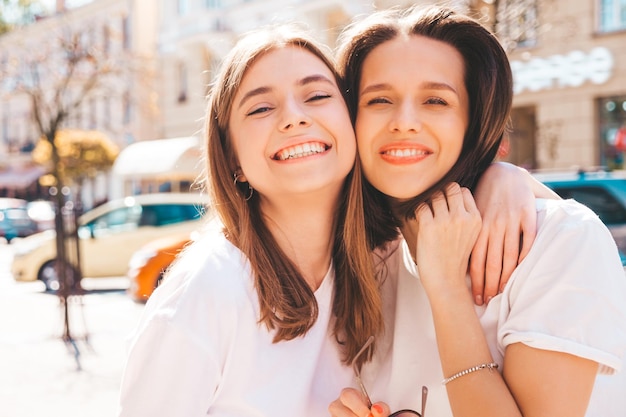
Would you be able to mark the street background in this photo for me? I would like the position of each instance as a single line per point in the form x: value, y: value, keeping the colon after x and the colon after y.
x: 39, y: 373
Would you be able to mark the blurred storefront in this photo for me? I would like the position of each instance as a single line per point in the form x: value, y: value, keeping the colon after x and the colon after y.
x: 21, y: 181
x: 569, y: 64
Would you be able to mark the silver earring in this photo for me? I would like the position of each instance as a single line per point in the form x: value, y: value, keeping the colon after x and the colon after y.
x: 236, y: 177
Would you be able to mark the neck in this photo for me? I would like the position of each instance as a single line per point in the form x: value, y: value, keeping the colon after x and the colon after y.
x: 409, y: 233
x: 304, y: 229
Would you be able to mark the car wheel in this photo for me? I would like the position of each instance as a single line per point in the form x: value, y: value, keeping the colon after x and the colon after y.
x: 48, y: 275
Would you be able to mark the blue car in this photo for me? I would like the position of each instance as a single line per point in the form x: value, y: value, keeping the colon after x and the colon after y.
x: 603, y: 192
x: 15, y: 222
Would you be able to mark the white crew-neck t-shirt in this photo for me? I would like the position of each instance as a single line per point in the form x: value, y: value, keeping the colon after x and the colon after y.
x: 200, y: 351
x: 568, y: 295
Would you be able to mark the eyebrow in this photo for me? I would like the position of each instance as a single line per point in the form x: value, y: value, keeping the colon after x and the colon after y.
x: 428, y: 85
x: 302, y: 82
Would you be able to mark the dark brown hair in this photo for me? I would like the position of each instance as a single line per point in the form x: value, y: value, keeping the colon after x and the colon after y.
x: 488, y: 80
x: 287, y: 303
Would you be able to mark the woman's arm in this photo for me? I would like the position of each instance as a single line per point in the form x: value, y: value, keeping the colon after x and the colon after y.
x: 505, y: 196
x: 567, y: 381
x: 536, y: 382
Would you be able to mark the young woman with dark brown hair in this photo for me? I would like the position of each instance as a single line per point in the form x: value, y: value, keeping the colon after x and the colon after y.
x: 431, y: 93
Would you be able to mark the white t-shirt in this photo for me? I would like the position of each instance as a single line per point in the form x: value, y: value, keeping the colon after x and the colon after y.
x: 568, y: 295
x: 199, y: 349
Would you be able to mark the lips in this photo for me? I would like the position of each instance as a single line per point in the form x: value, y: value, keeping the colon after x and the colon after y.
x: 404, y: 152
x: 300, y: 151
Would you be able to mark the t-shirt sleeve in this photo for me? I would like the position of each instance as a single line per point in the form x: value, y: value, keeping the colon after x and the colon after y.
x: 569, y: 294
x: 175, y: 359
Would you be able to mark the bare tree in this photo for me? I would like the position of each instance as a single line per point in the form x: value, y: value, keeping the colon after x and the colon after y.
x: 14, y: 13
x: 56, y: 75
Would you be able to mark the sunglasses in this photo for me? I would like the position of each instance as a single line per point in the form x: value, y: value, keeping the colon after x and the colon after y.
x: 357, y: 372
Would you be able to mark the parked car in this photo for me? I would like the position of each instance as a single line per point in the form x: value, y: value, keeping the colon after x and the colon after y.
x: 603, y: 192
x: 109, y: 235
x: 148, y: 264
x: 15, y: 222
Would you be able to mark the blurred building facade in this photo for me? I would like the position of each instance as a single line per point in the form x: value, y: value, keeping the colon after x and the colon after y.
x: 125, y: 113
x: 568, y: 60
x: 569, y: 64
x: 196, y: 34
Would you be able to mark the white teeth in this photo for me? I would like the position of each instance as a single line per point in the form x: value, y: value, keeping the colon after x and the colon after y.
x: 405, y: 152
x: 300, y: 151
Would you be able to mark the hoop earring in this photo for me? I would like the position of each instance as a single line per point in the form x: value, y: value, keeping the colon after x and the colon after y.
x: 236, y: 177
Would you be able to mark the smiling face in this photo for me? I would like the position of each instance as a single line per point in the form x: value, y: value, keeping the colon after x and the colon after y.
x: 412, y: 114
x: 290, y: 127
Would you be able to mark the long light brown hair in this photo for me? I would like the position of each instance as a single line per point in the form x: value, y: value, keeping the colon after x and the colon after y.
x: 287, y: 303
x: 488, y: 80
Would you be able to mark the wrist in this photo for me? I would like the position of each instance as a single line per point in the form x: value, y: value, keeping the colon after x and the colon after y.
x: 444, y: 294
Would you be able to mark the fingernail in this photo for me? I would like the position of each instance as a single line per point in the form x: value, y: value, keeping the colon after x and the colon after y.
x: 489, y: 299
x: 378, y: 408
x: 479, y: 300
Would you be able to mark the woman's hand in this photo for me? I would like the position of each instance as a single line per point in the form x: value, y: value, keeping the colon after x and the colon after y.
x: 446, y: 233
x: 505, y: 196
x: 352, y: 403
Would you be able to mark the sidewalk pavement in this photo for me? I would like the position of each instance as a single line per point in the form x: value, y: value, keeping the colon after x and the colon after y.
x: 41, y: 375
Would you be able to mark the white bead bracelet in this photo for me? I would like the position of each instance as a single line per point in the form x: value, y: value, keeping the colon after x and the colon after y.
x: 491, y: 366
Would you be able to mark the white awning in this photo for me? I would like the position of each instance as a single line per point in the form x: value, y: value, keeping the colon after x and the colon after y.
x: 161, y: 159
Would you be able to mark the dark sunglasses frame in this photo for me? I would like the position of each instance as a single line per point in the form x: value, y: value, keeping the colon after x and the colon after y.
x: 357, y: 373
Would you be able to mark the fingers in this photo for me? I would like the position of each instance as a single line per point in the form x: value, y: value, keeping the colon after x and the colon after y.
x: 451, y: 199
x: 446, y: 233
x: 510, y: 256
x: 529, y: 233
x: 351, y: 403
x: 468, y: 201
x: 493, y: 263
x: 380, y: 410
x: 500, y: 246
x: 477, y: 266
x: 489, y: 263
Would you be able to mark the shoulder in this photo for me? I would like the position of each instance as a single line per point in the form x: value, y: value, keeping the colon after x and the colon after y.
x: 573, y: 228
x: 565, y: 213
x: 572, y: 244
x: 209, y: 274
x: 572, y: 275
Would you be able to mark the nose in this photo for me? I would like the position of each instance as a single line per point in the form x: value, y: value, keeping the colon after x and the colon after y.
x: 406, y: 118
x: 293, y: 115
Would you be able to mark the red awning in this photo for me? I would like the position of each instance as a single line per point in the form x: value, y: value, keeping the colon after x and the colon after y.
x: 20, y: 178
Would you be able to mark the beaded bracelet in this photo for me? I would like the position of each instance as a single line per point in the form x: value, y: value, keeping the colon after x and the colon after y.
x: 491, y: 366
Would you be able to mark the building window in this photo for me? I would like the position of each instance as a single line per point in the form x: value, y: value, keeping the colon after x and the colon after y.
x: 5, y: 125
x: 127, y: 108
x: 612, y: 117
x: 182, y: 83
x: 517, y: 23
x: 213, y: 4
x: 107, y: 113
x: 106, y: 40
x: 93, y: 110
x: 126, y: 34
x: 612, y: 15
x: 182, y: 7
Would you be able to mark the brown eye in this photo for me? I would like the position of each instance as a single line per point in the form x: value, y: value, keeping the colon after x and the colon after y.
x: 319, y: 96
x: 436, y: 100
x: 259, y: 111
